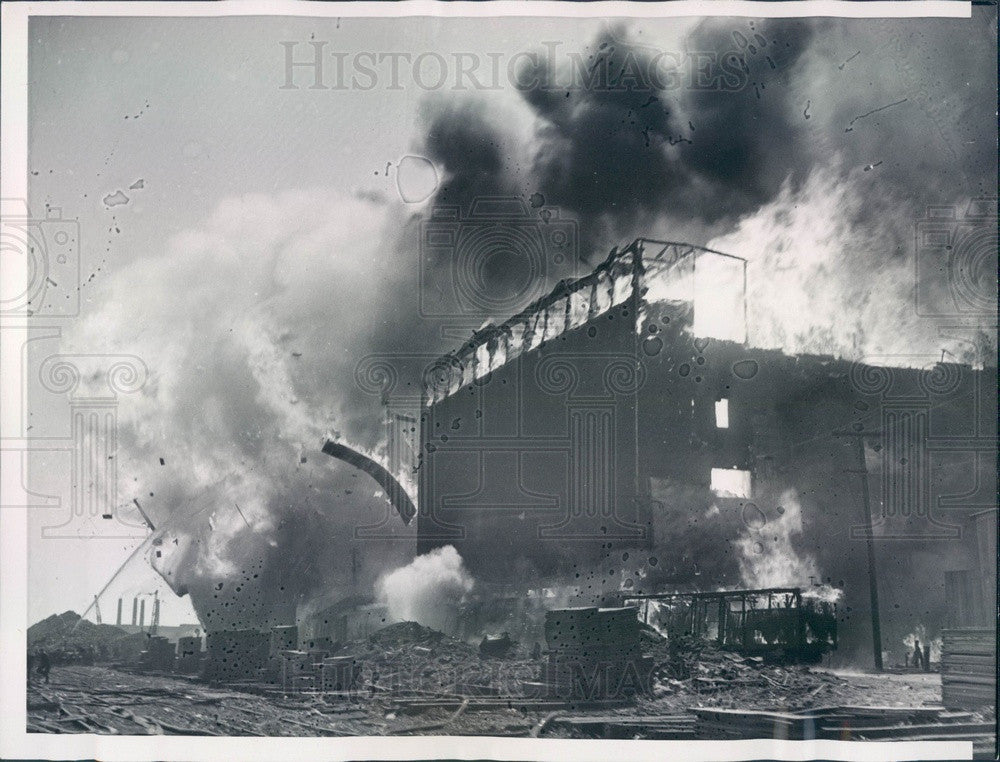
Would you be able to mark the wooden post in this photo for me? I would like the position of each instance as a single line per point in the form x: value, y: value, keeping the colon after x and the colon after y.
x: 862, y: 471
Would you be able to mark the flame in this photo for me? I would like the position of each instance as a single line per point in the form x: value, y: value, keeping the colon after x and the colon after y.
x: 768, y: 554
x: 826, y: 275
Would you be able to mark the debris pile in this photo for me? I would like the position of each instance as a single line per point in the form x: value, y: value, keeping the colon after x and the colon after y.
x: 94, y: 699
x: 684, y: 666
x: 69, y: 639
x: 409, y: 659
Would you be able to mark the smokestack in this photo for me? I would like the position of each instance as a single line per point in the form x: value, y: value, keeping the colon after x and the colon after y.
x: 142, y: 613
x: 135, y: 611
x: 118, y: 619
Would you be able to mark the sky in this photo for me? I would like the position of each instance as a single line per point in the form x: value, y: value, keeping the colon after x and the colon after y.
x: 248, y: 241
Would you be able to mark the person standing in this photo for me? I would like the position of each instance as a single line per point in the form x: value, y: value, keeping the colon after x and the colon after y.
x: 44, y: 665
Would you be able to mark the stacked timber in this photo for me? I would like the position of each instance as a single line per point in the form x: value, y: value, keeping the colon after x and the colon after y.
x: 846, y: 723
x: 717, y: 723
x: 340, y: 673
x: 593, y: 653
x: 236, y: 655
x: 663, y: 727
x: 158, y: 655
x: 968, y: 668
x: 284, y: 638
x: 297, y: 670
x: 189, y: 654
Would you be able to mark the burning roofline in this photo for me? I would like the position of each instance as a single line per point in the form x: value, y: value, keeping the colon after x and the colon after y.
x: 627, y: 262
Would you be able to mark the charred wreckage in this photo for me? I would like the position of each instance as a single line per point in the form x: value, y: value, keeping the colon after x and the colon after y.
x: 630, y: 482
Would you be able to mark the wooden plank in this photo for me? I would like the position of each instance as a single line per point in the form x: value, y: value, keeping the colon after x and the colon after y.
x: 893, y: 731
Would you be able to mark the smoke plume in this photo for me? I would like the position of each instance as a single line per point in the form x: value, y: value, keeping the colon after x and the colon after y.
x: 428, y: 590
x: 252, y: 322
x: 247, y: 324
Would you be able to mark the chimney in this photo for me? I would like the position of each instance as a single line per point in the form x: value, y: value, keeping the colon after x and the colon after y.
x: 118, y: 621
x: 135, y: 611
x: 142, y: 613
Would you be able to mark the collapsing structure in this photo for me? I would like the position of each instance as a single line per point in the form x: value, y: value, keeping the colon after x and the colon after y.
x: 779, y: 623
x: 626, y: 411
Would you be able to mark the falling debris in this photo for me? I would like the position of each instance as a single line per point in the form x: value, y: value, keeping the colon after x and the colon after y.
x: 397, y: 495
x: 115, y: 199
x: 850, y: 126
x: 242, y: 516
x: 870, y: 167
x: 841, y: 67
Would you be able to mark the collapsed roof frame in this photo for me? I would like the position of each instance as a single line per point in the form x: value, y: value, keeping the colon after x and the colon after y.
x: 451, y: 371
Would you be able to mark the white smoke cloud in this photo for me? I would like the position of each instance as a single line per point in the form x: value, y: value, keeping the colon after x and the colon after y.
x: 248, y: 325
x: 428, y: 590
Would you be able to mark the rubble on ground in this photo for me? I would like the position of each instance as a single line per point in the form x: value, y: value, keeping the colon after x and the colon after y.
x: 417, y: 681
x: 690, y: 666
x: 411, y: 659
x: 69, y: 639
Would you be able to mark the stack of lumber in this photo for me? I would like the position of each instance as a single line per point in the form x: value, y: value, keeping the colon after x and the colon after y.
x: 744, y: 724
x: 663, y: 727
x: 236, y: 655
x: 848, y: 723
x: 968, y: 668
x: 593, y: 653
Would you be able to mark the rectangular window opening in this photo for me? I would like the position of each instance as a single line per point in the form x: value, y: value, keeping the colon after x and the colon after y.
x: 731, y: 482
x: 722, y: 413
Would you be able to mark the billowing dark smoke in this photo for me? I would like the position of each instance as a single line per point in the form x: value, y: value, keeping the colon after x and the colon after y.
x: 814, y: 132
x: 816, y: 167
x: 472, y: 150
x: 626, y: 153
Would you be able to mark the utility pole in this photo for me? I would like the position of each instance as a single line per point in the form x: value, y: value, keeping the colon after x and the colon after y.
x: 862, y: 471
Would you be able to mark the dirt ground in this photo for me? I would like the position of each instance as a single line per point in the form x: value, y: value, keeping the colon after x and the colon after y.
x: 102, y: 699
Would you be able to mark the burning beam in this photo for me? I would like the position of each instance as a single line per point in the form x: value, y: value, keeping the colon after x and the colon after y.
x: 397, y: 495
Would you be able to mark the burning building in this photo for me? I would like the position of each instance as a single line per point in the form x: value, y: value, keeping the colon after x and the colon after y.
x: 620, y: 433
